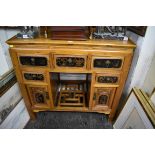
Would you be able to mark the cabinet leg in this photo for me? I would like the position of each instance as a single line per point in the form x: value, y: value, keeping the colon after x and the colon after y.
x: 110, y: 119
x: 32, y: 116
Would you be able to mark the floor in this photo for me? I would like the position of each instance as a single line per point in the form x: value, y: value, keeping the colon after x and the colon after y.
x: 69, y: 120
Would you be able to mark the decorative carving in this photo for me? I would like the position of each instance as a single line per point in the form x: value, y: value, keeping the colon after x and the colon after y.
x: 70, y: 62
x: 72, y: 95
x: 107, y: 79
x: 103, y: 99
x: 38, y: 95
x: 107, y: 63
x: 33, y: 61
x: 30, y: 76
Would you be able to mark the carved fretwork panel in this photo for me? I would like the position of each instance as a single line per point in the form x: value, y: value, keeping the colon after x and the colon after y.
x: 33, y: 61
x: 38, y: 95
x: 107, y: 63
x: 70, y: 62
x: 103, y: 99
x: 107, y: 79
x: 33, y: 76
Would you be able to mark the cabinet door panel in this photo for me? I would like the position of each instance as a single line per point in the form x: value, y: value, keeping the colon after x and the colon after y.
x: 39, y: 96
x: 103, y: 98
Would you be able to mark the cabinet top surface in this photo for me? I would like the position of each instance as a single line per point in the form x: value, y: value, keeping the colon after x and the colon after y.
x: 48, y: 41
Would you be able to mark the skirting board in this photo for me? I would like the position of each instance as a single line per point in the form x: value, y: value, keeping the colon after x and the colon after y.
x: 17, y: 119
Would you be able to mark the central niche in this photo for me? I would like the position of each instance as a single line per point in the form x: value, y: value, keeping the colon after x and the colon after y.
x: 70, y: 90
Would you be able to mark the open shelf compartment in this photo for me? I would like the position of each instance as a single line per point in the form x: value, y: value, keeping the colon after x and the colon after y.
x: 70, y: 90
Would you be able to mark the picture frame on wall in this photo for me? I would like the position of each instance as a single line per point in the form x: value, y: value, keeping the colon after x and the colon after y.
x: 133, y: 115
x: 140, y: 30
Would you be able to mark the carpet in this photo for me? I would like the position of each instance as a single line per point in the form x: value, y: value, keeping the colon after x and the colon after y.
x: 69, y: 120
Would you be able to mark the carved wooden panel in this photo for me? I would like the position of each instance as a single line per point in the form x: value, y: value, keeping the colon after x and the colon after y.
x: 38, y: 95
x: 107, y: 63
x: 70, y: 61
x: 108, y: 78
x: 33, y: 60
x: 29, y: 76
x: 103, y: 98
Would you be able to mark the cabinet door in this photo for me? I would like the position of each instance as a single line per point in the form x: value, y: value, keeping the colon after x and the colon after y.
x: 39, y: 96
x: 106, y: 63
x: 103, y: 98
x: 70, y: 61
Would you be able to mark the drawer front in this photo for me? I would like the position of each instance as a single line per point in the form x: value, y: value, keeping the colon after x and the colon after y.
x: 103, y: 98
x: 70, y: 61
x: 39, y: 96
x: 29, y: 76
x: 107, y: 78
x: 107, y: 63
x: 33, y: 61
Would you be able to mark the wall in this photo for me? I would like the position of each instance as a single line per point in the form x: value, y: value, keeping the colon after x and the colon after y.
x: 19, y: 116
x: 145, y: 58
x: 138, y: 40
x: 5, y: 34
x: 142, y: 67
x: 149, y: 83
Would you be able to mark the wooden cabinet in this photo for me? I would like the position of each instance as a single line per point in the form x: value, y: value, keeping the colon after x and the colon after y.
x: 39, y: 63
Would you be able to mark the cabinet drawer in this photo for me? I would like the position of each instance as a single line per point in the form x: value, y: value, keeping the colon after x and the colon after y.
x: 30, y: 76
x: 70, y: 61
x: 103, y: 98
x: 99, y: 63
x: 107, y: 78
x: 39, y: 96
x: 33, y: 60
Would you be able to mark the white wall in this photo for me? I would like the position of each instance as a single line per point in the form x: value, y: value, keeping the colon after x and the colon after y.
x: 141, y: 66
x: 19, y: 115
x: 5, y: 63
x: 149, y: 83
x: 138, y: 40
x: 145, y: 59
